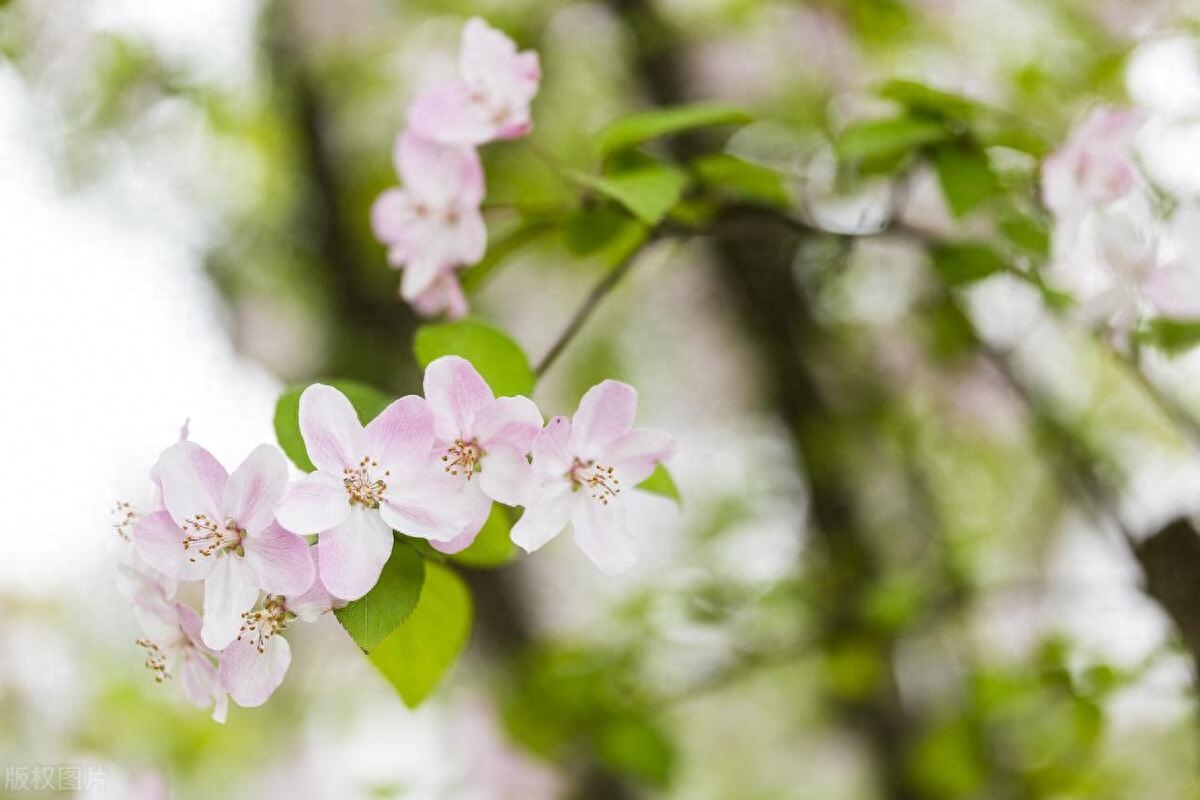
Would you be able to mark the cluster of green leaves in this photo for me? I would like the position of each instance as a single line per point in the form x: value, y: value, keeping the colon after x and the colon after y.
x: 415, y: 622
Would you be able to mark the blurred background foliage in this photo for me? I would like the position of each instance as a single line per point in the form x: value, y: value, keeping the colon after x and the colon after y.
x: 885, y: 579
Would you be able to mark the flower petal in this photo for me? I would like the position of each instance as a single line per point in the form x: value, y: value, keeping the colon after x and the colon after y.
x: 201, y: 685
x: 425, y: 506
x: 352, y: 555
x: 389, y: 215
x: 230, y: 590
x: 602, y: 534
x: 437, y: 172
x: 315, y: 503
x: 280, y: 559
x: 635, y: 454
x: 193, y: 482
x: 251, y: 677
x: 255, y: 487
x: 507, y: 476
x: 446, y: 114
x: 159, y: 541
x: 514, y: 421
x: 330, y: 428
x: 477, y: 506
x: 545, y: 518
x: 456, y: 392
x: 316, y: 599
x: 401, y: 435
x: 605, y: 413
x: 552, y: 456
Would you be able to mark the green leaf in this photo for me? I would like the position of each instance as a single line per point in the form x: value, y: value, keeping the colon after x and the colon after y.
x: 1027, y: 232
x: 367, y: 401
x: 635, y: 129
x: 1171, y: 335
x: 498, y: 358
x: 887, y: 138
x: 638, y: 749
x: 416, y: 656
x: 966, y: 177
x: 592, y: 229
x: 922, y: 99
x: 649, y: 188
x: 376, y: 614
x: 492, y: 547
x: 661, y: 482
x: 501, y: 248
x: 966, y: 262
x: 740, y: 178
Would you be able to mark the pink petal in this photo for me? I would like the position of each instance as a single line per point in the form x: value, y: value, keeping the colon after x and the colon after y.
x: 230, y: 590
x: 605, y: 413
x: 330, y: 427
x: 445, y: 294
x: 388, y: 216
x: 546, y: 517
x: 478, y: 506
x: 159, y: 542
x: 470, y: 236
x: 191, y: 624
x: 507, y: 476
x: 193, y: 482
x: 315, y: 503
x: 250, y: 676
x: 485, y: 51
x: 447, y: 114
x: 1175, y: 291
x: 425, y: 506
x: 352, y: 555
x: 420, y: 274
x: 512, y: 421
x: 552, y: 455
x: 602, y: 534
x: 402, y: 434
x: 199, y: 677
x: 280, y: 560
x: 456, y: 392
x: 439, y: 173
x: 255, y: 487
x: 635, y: 454
x: 316, y: 599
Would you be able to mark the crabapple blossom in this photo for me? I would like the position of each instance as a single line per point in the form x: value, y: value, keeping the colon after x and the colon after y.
x: 432, y: 225
x: 581, y: 467
x: 444, y: 295
x: 368, y: 481
x: 173, y: 643
x: 254, y: 664
x: 491, y: 101
x: 220, y: 528
x: 481, y: 439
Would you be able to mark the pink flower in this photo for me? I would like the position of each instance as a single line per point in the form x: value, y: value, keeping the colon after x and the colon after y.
x: 482, y: 441
x: 1095, y: 166
x: 220, y: 528
x: 368, y: 481
x: 173, y: 644
x: 433, y: 224
x: 444, y: 295
x: 255, y: 663
x: 492, y: 99
x: 581, y: 468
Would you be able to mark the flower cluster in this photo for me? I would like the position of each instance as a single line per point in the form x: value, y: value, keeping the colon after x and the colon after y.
x: 433, y: 225
x: 427, y: 467
x: 1121, y: 247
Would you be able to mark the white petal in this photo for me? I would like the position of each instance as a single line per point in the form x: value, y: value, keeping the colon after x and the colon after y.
x: 602, y: 534
x: 351, y: 556
x: 230, y: 590
x: 546, y: 517
x: 315, y: 503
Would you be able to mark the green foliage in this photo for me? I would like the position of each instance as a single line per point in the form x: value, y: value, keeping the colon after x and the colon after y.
x: 965, y: 175
x: 419, y: 653
x: 924, y: 100
x: 887, y: 139
x: 744, y: 181
x: 639, y: 749
x: 646, y: 187
x: 961, y: 263
x: 1170, y: 335
x: 367, y: 401
x: 590, y: 230
x: 635, y: 129
x: 661, y: 482
x: 498, y: 358
x: 376, y: 614
x: 492, y: 547
x: 1027, y: 232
